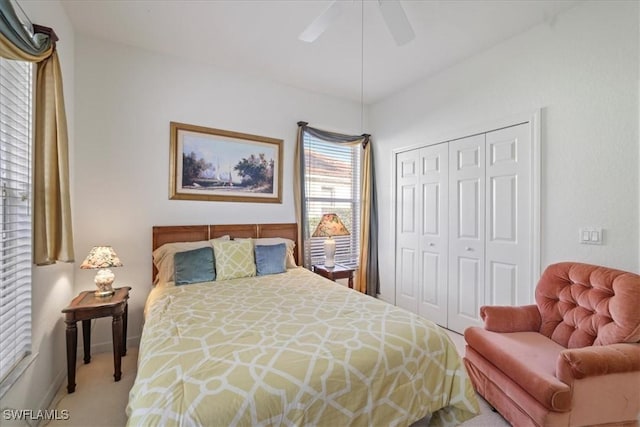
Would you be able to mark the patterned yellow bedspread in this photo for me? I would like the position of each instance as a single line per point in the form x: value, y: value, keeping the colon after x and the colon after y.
x: 292, y: 349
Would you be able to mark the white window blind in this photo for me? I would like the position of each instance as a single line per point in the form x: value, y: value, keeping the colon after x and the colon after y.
x: 15, y: 180
x: 332, y: 185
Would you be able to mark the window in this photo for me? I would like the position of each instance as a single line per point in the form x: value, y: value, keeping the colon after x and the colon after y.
x: 15, y: 207
x: 332, y: 185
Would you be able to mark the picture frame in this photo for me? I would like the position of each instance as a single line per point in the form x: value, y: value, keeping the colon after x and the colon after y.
x: 219, y: 165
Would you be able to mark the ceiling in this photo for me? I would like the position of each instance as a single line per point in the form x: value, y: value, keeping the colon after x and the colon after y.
x: 261, y: 37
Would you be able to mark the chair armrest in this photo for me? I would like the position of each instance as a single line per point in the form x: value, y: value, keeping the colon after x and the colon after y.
x: 591, y: 361
x: 525, y: 318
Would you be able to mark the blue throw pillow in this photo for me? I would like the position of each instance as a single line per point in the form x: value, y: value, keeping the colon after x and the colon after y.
x: 194, y: 266
x: 270, y: 259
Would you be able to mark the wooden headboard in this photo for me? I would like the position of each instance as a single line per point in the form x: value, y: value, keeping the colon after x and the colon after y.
x: 191, y: 233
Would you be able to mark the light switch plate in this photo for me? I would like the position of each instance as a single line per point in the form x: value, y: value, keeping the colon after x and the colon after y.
x: 591, y: 236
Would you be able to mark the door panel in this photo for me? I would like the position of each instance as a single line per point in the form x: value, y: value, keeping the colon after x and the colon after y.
x: 468, y: 157
x: 431, y: 204
x: 430, y: 278
x: 501, y: 283
x: 434, y: 233
x: 468, y: 286
x: 503, y: 209
x: 508, y: 245
x: 408, y: 208
x: 407, y: 274
x: 469, y: 205
x: 467, y: 230
x: 407, y: 238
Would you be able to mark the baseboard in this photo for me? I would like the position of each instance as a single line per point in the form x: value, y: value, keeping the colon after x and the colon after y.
x: 107, y: 346
x: 47, y: 402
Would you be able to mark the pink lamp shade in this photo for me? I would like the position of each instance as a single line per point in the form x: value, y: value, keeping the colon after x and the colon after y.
x: 330, y: 225
x: 102, y: 258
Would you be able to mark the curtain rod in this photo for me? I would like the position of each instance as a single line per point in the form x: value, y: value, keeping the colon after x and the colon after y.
x: 40, y: 29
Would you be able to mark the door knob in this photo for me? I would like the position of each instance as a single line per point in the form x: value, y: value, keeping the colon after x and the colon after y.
x: 468, y: 248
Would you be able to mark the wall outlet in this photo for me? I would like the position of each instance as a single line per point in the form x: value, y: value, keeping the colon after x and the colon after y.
x: 591, y: 236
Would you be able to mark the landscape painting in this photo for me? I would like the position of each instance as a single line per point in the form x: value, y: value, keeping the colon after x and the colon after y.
x: 218, y: 165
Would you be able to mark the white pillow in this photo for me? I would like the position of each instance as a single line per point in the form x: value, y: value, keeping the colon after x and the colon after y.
x: 163, y: 257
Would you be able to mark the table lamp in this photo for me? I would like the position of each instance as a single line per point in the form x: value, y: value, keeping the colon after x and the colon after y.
x: 101, y: 258
x: 329, y: 226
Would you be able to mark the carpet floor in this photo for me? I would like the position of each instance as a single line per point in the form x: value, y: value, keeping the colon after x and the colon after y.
x: 99, y: 401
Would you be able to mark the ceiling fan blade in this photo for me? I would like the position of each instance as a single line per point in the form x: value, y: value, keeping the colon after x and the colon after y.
x: 397, y: 21
x: 322, y: 22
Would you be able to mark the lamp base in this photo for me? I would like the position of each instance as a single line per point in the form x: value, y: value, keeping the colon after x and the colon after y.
x: 104, y: 294
x: 329, y: 252
x: 104, y: 278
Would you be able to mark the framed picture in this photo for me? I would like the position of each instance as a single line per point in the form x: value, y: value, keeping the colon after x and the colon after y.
x: 219, y: 165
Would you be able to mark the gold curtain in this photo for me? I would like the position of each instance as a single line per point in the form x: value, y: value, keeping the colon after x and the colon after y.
x: 52, y: 236
x: 365, y: 220
x: 298, y: 175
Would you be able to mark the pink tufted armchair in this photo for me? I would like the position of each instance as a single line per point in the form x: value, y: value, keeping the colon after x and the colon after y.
x: 572, y: 359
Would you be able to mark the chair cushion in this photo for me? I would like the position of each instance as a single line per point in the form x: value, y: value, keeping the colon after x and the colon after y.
x: 528, y: 359
x: 582, y: 305
x: 513, y: 402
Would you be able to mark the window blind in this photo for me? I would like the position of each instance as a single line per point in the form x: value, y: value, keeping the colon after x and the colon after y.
x: 15, y: 179
x: 332, y: 185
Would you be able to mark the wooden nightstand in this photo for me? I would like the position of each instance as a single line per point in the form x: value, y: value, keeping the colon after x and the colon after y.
x: 337, y: 272
x: 87, y: 306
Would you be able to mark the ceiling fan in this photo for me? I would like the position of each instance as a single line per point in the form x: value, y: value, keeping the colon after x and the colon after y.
x: 391, y: 10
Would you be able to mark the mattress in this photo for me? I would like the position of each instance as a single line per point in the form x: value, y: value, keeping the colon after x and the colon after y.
x: 292, y: 349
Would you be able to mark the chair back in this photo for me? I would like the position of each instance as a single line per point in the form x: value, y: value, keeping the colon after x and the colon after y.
x: 582, y: 305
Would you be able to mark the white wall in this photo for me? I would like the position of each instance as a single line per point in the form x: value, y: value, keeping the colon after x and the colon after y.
x: 52, y: 286
x: 126, y: 98
x: 582, y: 71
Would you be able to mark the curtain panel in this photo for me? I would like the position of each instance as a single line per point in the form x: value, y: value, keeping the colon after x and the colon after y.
x: 52, y: 231
x: 367, y: 280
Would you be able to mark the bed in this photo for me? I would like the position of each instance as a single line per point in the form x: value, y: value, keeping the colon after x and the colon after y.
x: 291, y: 348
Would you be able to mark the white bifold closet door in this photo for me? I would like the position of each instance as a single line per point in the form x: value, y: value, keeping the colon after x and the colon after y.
x: 509, y: 207
x: 463, y: 219
x: 407, y: 235
x: 422, y: 231
x: 466, y: 231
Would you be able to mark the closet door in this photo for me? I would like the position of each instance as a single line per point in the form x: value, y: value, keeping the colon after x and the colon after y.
x: 464, y: 234
x: 466, y: 231
x: 508, y: 197
x: 407, y: 234
x: 433, y: 184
